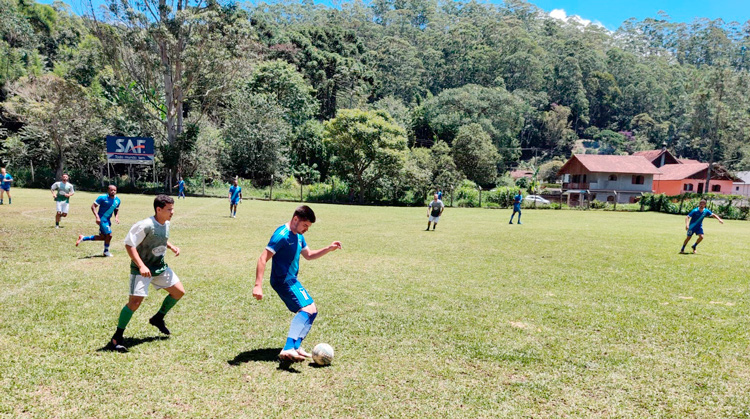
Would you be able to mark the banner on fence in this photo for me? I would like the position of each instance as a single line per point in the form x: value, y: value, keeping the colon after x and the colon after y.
x: 130, y: 150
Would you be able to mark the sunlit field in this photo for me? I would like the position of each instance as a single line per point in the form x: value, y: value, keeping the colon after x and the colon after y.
x: 573, y: 313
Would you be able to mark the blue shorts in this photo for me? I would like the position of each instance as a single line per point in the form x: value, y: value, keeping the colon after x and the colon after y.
x: 516, y: 207
x: 104, y: 228
x: 696, y: 230
x: 234, y: 202
x: 5, y: 187
x: 294, y: 295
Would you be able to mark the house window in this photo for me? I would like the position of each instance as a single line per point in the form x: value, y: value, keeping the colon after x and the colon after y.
x: 612, y: 177
x: 584, y: 178
x: 610, y: 198
x: 715, y: 188
x: 687, y: 187
x: 736, y: 188
x: 638, y: 180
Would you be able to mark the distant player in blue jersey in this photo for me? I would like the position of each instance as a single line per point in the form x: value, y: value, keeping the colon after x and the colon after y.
x: 5, y: 180
x: 235, y: 197
x: 516, y: 207
x: 694, y: 224
x: 180, y: 188
x: 440, y: 194
x: 285, y: 247
x: 108, y: 204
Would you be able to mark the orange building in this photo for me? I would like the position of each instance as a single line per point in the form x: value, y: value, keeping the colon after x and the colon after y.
x: 675, y: 179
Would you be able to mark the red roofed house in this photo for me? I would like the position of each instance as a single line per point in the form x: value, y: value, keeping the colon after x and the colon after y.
x: 607, y: 178
x: 658, y: 157
x: 675, y: 179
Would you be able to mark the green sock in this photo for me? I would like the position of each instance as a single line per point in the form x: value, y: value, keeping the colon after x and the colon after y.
x: 167, y: 305
x: 125, y: 315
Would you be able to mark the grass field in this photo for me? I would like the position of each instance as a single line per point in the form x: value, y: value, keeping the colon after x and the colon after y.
x: 573, y: 313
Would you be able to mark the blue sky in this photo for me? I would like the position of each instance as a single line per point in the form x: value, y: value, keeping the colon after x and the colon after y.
x: 610, y: 13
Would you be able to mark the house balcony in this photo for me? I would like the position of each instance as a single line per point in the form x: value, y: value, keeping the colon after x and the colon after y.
x: 578, y: 185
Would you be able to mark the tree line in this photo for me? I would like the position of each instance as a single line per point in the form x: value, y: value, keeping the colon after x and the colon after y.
x: 391, y: 98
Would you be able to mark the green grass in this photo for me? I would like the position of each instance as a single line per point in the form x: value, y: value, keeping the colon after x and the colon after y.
x: 573, y: 313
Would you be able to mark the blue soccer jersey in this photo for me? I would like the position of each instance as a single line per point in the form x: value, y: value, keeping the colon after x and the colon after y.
x: 5, y: 183
x: 286, y: 247
x: 234, y: 193
x: 181, y: 185
x: 107, y: 206
x: 697, y: 216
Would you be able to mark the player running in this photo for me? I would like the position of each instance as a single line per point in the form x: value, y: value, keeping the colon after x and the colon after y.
x: 108, y: 204
x: 5, y: 180
x: 146, y: 244
x: 516, y: 207
x: 434, y: 211
x: 180, y: 188
x: 286, y: 245
x: 61, y: 193
x: 694, y: 224
x: 235, y: 197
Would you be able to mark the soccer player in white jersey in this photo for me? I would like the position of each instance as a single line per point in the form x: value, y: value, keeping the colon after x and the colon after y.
x: 146, y: 244
x: 61, y: 193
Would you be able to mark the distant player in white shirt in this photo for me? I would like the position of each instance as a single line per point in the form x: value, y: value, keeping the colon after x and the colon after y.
x: 434, y: 211
x: 61, y: 193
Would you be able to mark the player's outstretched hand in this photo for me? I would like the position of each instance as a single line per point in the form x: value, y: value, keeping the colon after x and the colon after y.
x: 176, y: 250
x: 98, y: 222
x: 258, y: 292
x: 337, y: 245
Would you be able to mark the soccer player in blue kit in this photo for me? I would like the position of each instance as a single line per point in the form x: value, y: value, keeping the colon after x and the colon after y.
x: 108, y: 204
x: 694, y: 224
x: 235, y: 197
x: 180, y: 188
x: 516, y: 207
x: 5, y: 181
x: 285, y: 247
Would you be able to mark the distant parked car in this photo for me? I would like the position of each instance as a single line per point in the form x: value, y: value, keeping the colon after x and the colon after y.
x: 536, y: 198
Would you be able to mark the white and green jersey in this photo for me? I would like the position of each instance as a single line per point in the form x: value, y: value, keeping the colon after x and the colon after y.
x: 62, y: 189
x: 150, y: 240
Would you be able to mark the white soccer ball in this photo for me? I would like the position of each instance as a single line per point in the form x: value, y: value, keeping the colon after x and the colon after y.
x: 322, y: 354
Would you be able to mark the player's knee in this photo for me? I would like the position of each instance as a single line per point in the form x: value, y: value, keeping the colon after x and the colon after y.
x: 311, y: 309
x: 134, y: 303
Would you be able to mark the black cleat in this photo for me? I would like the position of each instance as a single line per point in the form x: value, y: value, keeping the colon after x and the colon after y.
x: 113, y: 345
x: 159, y: 324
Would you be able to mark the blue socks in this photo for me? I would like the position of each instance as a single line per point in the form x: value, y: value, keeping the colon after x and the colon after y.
x: 88, y: 238
x: 298, y: 329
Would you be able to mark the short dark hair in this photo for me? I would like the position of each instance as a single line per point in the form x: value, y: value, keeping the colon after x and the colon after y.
x: 161, y: 201
x: 304, y: 213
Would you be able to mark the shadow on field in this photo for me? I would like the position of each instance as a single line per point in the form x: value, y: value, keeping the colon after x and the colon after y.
x: 262, y: 355
x: 92, y: 256
x: 131, y: 342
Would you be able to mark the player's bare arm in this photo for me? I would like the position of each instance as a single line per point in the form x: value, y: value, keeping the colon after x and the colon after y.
x: 93, y: 209
x: 117, y: 217
x: 718, y: 218
x: 136, y: 258
x: 260, y: 269
x: 174, y: 249
x: 314, y: 254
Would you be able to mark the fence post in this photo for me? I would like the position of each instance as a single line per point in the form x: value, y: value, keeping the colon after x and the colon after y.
x: 682, y: 200
x: 300, y: 192
x: 480, y: 197
x: 270, y: 194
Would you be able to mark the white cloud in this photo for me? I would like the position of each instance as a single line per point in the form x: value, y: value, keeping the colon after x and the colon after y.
x: 560, y: 14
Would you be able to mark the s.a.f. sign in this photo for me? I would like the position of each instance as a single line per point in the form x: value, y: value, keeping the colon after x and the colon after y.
x: 132, y: 150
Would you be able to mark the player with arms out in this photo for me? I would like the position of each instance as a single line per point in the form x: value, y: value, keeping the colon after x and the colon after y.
x: 516, y: 207
x: 108, y: 204
x: 5, y: 180
x: 285, y: 247
x: 235, y: 197
x: 146, y: 244
x: 61, y: 193
x: 694, y: 224
x: 434, y: 211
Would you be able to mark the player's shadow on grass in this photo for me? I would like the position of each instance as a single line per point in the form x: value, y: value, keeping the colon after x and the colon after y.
x: 132, y: 342
x: 262, y: 355
x: 91, y: 256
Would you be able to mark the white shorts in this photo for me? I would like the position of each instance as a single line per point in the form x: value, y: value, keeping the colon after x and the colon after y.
x: 139, y: 284
x: 62, y: 206
x: 434, y: 219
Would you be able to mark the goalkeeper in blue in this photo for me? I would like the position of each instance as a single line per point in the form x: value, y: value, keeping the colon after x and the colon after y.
x: 694, y: 224
x: 285, y: 247
x: 108, y: 204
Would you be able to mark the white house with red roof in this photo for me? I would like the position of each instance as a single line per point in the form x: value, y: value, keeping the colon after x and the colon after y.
x: 619, y: 179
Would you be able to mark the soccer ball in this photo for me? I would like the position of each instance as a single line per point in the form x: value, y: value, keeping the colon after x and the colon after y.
x: 322, y: 354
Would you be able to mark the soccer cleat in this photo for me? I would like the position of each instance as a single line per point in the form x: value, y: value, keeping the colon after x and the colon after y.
x: 304, y: 353
x: 290, y: 355
x: 80, y: 239
x: 518, y: 222
x: 106, y: 253
x: 159, y: 324
x: 510, y: 222
x: 113, y: 345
